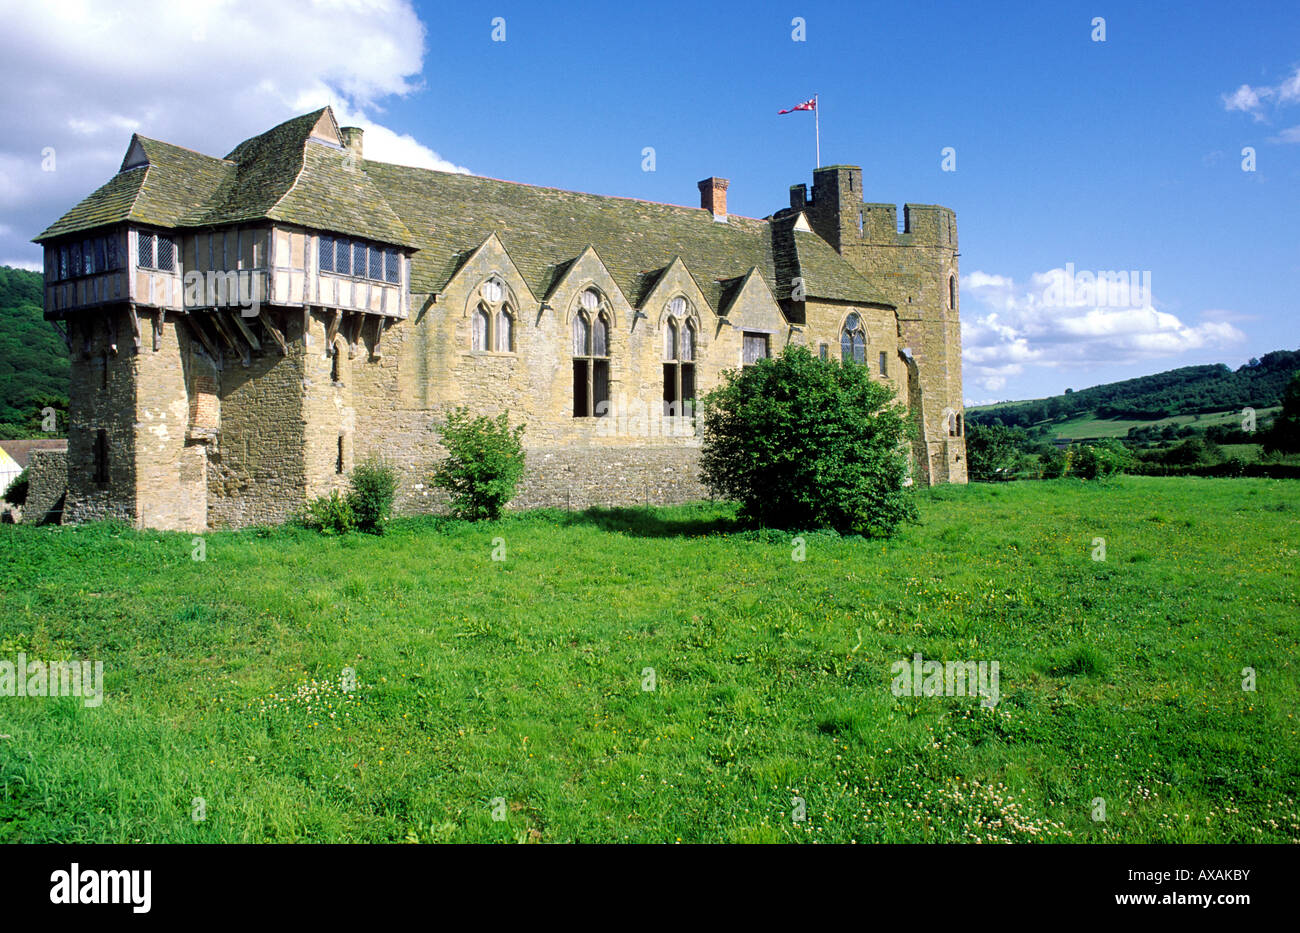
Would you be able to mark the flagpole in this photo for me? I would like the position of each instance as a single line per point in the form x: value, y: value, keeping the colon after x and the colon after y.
x: 817, y: 122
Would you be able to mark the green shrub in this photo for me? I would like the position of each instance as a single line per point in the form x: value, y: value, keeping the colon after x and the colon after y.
x: 805, y: 443
x: 485, y: 460
x: 330, y: 515
x: 1054, y: 464
x: 16, y: 494
x: 1098, y: 461
x: 372, y: 486
x: 994, y: 452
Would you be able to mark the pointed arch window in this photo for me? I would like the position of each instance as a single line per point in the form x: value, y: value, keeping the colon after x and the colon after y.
x: 591, y: 356
x: 505, y: 331
x: 493, y: 324
x: 679, y: 360
x: 853, y: 340
x: 481, y: 328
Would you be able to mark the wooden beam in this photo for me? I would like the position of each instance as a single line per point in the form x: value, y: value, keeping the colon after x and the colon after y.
x: 274, y: 331
x: 227, y: 332
x: 112, y: 332
x: 246, y: 331
x: 135, y: 325
x: 377, y: 352
x: 158, y: 321
x: 197, y: 329
x: 306, y: 327
x: 331, y: 330
x: 354, y: 333
x: 67, y: 340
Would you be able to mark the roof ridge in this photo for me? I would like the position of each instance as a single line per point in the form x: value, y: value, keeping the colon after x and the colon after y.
x: 163, y: 142
x: 297, y: 176
x: 590, y: 194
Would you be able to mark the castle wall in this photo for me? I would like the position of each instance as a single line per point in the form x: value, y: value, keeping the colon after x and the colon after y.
x: 171, y: 471
x: 429, y: 367
x: 912, y: 265
x: 101, y: 398
x: 257, y: 472
x: 47, y: 485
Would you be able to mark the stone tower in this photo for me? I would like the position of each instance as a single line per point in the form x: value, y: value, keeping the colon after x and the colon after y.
x: 914, y: 263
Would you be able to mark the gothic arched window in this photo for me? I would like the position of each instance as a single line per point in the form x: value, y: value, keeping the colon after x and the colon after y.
x: 853, y: 340
x: 590, y: 356
x: 494, y: 320
x: 679, y: 359
x: 505, y: 331
x: 481, y: 328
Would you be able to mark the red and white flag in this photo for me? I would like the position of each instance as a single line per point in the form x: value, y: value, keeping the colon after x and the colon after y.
x: 810, y: 104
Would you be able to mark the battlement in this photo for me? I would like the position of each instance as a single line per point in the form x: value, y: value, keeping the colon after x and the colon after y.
x: 837, y: 211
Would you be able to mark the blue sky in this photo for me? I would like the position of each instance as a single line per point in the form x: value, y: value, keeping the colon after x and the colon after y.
x: 1117, y: 155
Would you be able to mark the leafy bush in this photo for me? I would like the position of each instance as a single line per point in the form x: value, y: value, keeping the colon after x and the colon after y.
x: 1054, y: 464
x: 331, y: 515
x: 994, y: 452
x: 806, y: 443
x: 16, y: 494
x: 1098, y: 461
x: 1284, y: 436
x: 372, y: 486
x: 485, y: 460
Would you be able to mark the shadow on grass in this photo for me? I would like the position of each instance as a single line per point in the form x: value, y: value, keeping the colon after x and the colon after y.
x: 651, y: 522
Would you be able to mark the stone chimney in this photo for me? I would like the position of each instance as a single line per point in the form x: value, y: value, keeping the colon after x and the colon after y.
x: 713, y: 197
x: 352, y: 140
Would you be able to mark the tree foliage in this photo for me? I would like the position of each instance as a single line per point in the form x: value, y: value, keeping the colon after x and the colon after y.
x: 806, y: 443
x: 1188, y: 390
x: 993, y: 452
x: 1285, y: 433
x: 484, y: 463
x: 371, y: 489
x: 34, y: 369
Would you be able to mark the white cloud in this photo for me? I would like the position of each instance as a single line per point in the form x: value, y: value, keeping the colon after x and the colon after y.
x: 28, y: 264
x: 1289, y: 135
x: 80, y: 77
x: 1010, y: 326
x: 1245, y: 99
x: 1255, y: 100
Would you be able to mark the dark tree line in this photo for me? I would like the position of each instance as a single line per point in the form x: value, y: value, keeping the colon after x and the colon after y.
x: 33, y: 360
x: 1188, y: 390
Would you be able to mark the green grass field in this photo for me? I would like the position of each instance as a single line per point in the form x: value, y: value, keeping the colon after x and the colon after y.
x: 514, y: 688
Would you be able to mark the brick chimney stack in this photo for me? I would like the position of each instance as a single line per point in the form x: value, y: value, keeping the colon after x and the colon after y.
x: 713, y: 197
x: 352, y: 140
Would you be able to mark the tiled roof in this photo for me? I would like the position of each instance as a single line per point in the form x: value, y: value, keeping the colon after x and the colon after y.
x: 21, y: 450
x: 283, y: 174
x: 160, y: 193
x: 286, y: 174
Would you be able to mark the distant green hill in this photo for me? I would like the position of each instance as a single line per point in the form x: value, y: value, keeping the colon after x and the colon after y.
x: 33, y: 359
x: 1175, y: 394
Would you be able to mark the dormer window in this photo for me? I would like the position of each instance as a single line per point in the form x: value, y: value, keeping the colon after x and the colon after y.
x: 359, y: 259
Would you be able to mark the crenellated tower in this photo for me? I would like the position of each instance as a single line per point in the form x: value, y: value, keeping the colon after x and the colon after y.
x: 913, y: 261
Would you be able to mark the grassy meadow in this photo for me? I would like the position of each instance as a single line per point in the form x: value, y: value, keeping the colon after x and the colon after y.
x: 1090, y: 427
x: 504, y: 700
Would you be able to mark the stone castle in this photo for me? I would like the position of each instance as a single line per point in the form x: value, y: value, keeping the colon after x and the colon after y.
x: 243, y: 330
